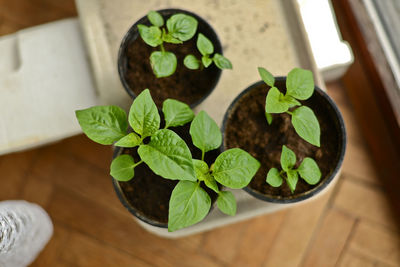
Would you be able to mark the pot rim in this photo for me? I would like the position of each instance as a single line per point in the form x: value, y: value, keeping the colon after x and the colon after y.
x: 319, y: 188
x: 128, y: 36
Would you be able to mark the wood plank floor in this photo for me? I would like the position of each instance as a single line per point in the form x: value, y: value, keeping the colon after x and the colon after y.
x: 352, y: 225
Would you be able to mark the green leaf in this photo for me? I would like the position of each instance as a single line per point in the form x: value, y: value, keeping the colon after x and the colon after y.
x: 103, y: 124
x: 189, y: 204
x: 143, y: 115
x: 122, y: 168
x: 203, y: 174
x: 235, y: 168
x: 204, y: 45
x: 226, y: 203
x: 306, y: 125
x: 168, y: 155
x: 288, y: 158
x: 166, y: 37
x: 130, y: 140
x: 182, y: 26
x: 150, y: 35
x: 291, y: 101
x: 266, y: 76
x: 309, y: 171
x: 273, y: 103
x: 155, y: 18
x: 274, y: 178
x: 176, y: 113
x: 191, y: 62
x: 200, y: 168
x: 300, y: 83
x: 269, y: 118
x: 222, y: 62
x: 163, y: 63
x: 292, y: 178
x: 206, y: 61
x: 205, y: 133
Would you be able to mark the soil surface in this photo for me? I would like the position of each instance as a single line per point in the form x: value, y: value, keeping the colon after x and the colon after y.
x: 186, y: 85
x: 149, y: 193
x: 248, y: 129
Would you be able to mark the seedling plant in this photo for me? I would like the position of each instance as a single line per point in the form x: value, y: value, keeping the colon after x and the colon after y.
x: 167, y: 155
x: 299, y: 86
x: 179, y: 28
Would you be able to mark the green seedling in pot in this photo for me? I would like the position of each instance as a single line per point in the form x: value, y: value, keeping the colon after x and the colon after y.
x: 308, y: 171
x: 233, y: 168
x: 206, y: 48
x: 178, y: 29
x: 167, y: 155
x: 299, y: 86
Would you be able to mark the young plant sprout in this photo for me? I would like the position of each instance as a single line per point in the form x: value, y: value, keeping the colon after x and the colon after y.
x: 168, y: 155
x: 179, y: 28
x: 206, y: 48
x: 299, y: 86
x: 308, y: 170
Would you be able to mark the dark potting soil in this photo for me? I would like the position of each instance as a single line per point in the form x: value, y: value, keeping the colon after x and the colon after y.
x: 186, y: 85
x: 248, y: 129
x: 149, y: 193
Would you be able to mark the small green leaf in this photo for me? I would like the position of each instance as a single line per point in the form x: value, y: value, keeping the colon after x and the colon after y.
x: 204, y: 45
x: 143, y: 115
x: 176, y: 113
x: 222, y: 62
x: 203, y: 174
x: 205, y: 132
x: 130, y: 140
x: 235, y: 168
x: 168, y: 155
x: 189, y: 204
x: 206, y: 61
x: 122, y: 168
x: 181, y: 26
x: 155, y: 18
x: 292, y: 178
x: 291, y: 101
x: 166, y: 37
x: 309, y: 171
x: 150, y: 35
x: 226, y: 203
x: 306, y: 125
x: 163, y: 63
x: 266, y: 76
x: 269, y: 118
x: 200, y: 168
x: 191, y: 62
x: 288, y: 158
x: 300, y: 83
x: 103, y: 124
x: 274, y: 178
x: 273, y: 103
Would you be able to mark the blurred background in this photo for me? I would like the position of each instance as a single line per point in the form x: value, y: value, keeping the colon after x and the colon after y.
x: 354, y: 53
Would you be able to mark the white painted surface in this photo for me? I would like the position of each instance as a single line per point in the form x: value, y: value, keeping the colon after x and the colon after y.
x: 44, y: 78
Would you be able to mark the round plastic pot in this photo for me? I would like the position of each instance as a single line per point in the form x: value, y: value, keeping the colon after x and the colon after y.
x: 133, y: 34
x: 336, y: 119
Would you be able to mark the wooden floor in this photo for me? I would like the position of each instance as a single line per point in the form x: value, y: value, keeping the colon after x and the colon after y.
x: 352, y: 225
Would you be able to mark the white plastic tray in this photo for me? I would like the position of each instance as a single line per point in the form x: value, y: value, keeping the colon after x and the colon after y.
x: 253, y: 33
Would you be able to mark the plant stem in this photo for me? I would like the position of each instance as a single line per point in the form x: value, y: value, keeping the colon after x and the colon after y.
x: 288, y: 112
x: 162, y: 47
x: 137, y: 163
x: 202, y: 155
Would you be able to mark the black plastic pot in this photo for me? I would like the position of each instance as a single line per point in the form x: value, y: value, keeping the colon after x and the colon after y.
x: 132, y: 35
x: 123, y: 195
x: 336, y: 118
